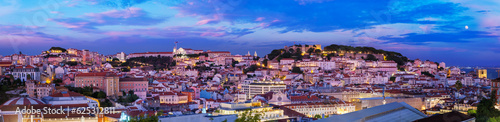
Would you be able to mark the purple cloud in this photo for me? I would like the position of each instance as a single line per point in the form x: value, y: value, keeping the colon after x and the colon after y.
x: 129, y: 16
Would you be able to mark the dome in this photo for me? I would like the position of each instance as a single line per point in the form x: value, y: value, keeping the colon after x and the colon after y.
x: 24, y: 101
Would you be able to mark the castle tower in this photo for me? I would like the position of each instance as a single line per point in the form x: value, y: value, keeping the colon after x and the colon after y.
x: 255, y: 54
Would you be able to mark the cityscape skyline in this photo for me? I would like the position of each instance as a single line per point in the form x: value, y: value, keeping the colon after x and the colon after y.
x: 261, y: 53
x: 249, y: 60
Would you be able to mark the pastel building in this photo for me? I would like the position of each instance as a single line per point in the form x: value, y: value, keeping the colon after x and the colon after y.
x: 138, y: 85
x: 104, y: 81
x: 37, y: 90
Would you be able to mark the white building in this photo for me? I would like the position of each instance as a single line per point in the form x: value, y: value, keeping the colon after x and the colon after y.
x: 267, y: 112
x: 322, y: 109
x: 69, y: 98
x: 261, y: 87
x: 22, y: 72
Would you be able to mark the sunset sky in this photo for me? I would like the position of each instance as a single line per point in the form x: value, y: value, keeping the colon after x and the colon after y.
x: 458, y: 32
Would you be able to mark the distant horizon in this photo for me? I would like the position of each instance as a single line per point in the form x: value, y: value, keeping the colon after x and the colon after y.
x: 232, y: 52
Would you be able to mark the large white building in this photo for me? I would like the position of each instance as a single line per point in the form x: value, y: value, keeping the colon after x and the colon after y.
x: 322, y: 109
x: 267, y: 113
x: 391, y: 112
x: 262, y: 87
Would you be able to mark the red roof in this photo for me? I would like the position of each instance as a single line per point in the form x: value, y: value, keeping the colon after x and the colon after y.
x: 93, y: 74
x: 23, y: 101
x: 66, y: 94
x: 70, y: 105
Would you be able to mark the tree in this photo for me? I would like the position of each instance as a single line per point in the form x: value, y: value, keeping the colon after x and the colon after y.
x: 5, y: 88
x: 317, y: 116
x: 130, y: 92
x: 392, y: 79
x: 57, y: 81
x: 247, y: 116
x: 472, y: 112
x: 458, y: 85
x: 427, y: 74
x: 486, y: 108
x: 159, y: 113
x: 310, y: 50
x: 101, y: 94
x: 317, y: 52
x: 28, y: 77
x: 251, y: 68
x: 106, y: 103
x: 234, y: 63
x: 264, y: 62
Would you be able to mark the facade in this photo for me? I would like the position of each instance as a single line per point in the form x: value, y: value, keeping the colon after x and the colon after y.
x: 172, y: 98
x: 262, y: 87
x: 322, y: 109
x: 495, y: 86
x: 104, y: 81
x: 36, y: 90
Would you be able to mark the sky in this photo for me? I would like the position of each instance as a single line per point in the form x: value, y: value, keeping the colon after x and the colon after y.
x: 457, y: 32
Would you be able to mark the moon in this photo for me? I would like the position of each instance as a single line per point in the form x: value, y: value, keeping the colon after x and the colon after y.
x: 466, y: 27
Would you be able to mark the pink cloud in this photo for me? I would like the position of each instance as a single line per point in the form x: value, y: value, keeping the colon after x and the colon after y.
x: 213, y: 34
x: 206, y: 21
x: 126, y: 13
x: 426, y: 28
x: 261, y: 25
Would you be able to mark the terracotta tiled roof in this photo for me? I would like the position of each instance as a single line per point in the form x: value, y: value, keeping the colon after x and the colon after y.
x: 66, y: 94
